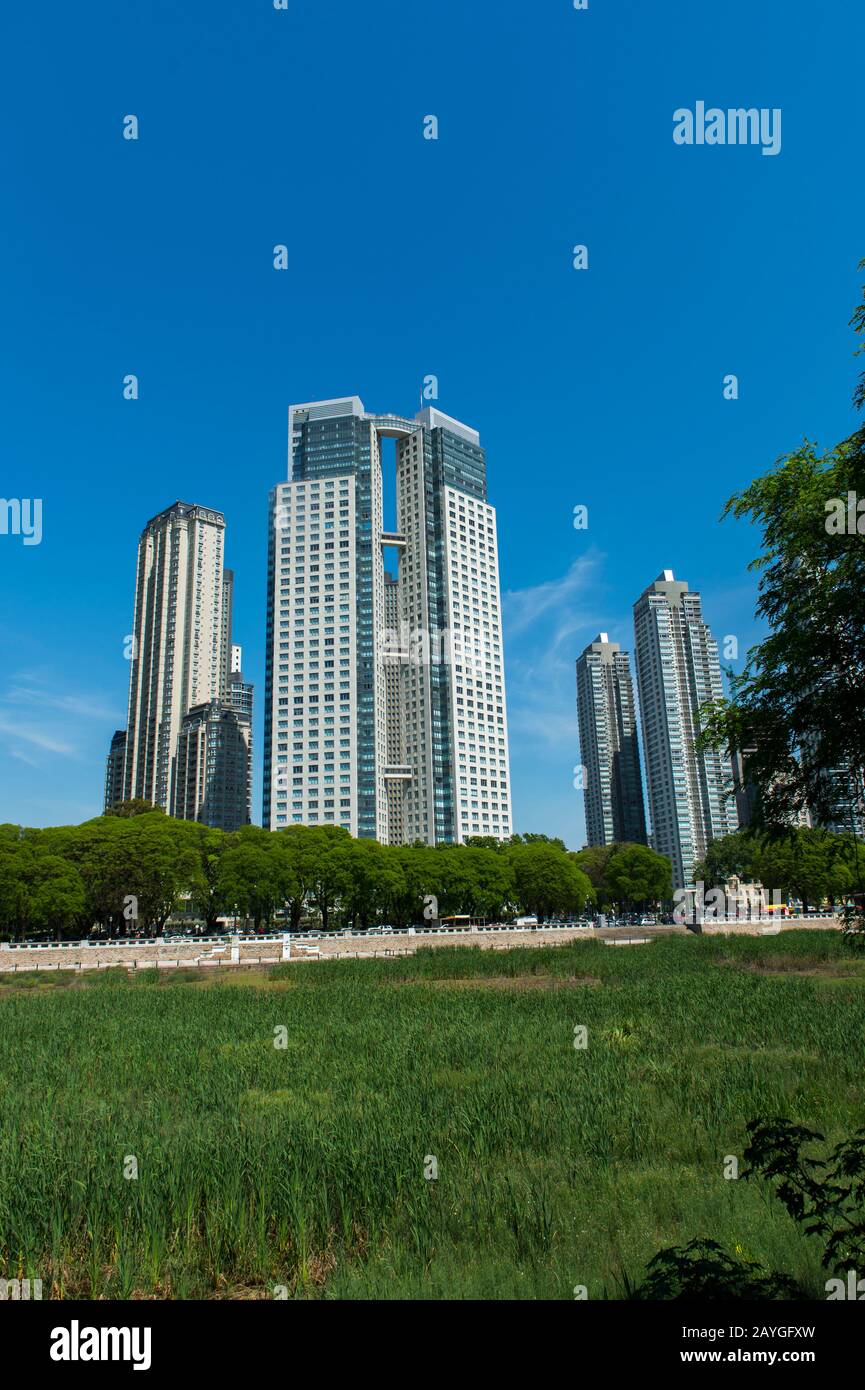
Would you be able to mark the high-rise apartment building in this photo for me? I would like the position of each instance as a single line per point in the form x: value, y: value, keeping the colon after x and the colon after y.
x: 678, y: 670
x: 114, y: 770
x: 238, y: 693
x: 177, y: 655
x: 212, y: 781
x: 188, y: 746
x: 748, y: 799
x: 385, y: 704
x: 228, y: 653
x: 840, y: 803
x: 610, y: 753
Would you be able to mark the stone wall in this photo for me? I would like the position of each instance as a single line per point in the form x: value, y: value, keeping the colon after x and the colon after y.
x: 129, y: 954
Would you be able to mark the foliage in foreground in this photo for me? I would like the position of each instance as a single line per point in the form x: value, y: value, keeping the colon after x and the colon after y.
x: 702, y: 1269
x: 797, y: 710
x: 825, y: 1196
x: 811, y: 865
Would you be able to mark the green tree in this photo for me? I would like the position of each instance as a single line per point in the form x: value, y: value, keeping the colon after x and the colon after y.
x: 323, y: 862
x: 492, y: 881
x: 407, y: 884
x: 208, y: 895
x: 797, y: 710
x: 371, y: 878
x: 250, y: 879
x: 798, y: 862
x: 547, y: 881
x: 136, y: 806
x: 593, y: 861
x: 730, y: 855
x: 537, y: 839
x: 134, y: 868
x: 637, y: 876
x: 39, y: 891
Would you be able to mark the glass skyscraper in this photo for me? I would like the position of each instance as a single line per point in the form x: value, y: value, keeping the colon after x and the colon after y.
x: 608, y: 744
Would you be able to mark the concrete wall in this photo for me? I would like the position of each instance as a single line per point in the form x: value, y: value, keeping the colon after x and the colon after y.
x: 267, y: 952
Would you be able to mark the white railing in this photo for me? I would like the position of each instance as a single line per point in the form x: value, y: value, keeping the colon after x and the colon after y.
x: 314, y: 934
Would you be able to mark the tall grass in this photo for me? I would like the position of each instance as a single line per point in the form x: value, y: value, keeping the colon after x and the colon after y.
x: 303, y: 1166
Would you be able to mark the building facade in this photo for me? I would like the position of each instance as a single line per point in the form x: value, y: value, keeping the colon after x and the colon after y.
x: 748, y: 800
x: 114, y: 770
x: 212, y: 781
x: 840, y: 805
x: 177, y: 653
x: 187, y: 747
x: 678, y: 670
x: 609, y: 747
x: 385, y: 703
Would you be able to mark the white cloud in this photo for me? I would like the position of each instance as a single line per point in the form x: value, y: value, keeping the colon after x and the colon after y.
x: 38, y: 718
x: 523, y: 609
x: 22, y: 757
x: 37, y: 736
x: 546, y: 628
x: 84, y: 706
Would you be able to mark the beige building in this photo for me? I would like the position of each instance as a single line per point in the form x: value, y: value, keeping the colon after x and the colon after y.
x: 178, y: 649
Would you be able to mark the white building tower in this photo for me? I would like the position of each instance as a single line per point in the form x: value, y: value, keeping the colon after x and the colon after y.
x: 678, y: 671
x: 385, y: 701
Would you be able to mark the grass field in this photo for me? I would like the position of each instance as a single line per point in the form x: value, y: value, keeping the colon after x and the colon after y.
x: 303, y: 1166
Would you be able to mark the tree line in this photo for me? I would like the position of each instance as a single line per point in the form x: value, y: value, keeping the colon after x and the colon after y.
x: 796, y: 711
x: 811, y: 865
x: 130, y: 870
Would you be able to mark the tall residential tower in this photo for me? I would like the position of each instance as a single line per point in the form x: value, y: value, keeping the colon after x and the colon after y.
x: 677, y: 671
x: 188, y: 740
x: 177, y: 654
x: 608, y: 744
x: 385, y: 704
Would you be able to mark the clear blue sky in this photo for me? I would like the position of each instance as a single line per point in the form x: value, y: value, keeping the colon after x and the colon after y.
x: 408, y: 257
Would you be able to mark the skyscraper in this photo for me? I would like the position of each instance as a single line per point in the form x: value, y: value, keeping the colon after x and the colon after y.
x: 425, y: 755
x: 677, y: 671
x: 227, y: 650
x: 114, y: 770
x: 839, y: 803
x: 212, y: 781
x: 183, y: 664
x: 177, y: 656
x: 238, y: 692
x: 608, y: 744
x: 748, y: 798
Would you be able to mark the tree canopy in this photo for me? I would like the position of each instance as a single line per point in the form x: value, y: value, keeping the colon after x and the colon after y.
x: 797, y: 710
x: 131, y: 872
x: 809, y: 864
x: 626, y: 875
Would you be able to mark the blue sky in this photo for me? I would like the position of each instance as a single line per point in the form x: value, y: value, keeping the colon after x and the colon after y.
x: 408, y: 257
